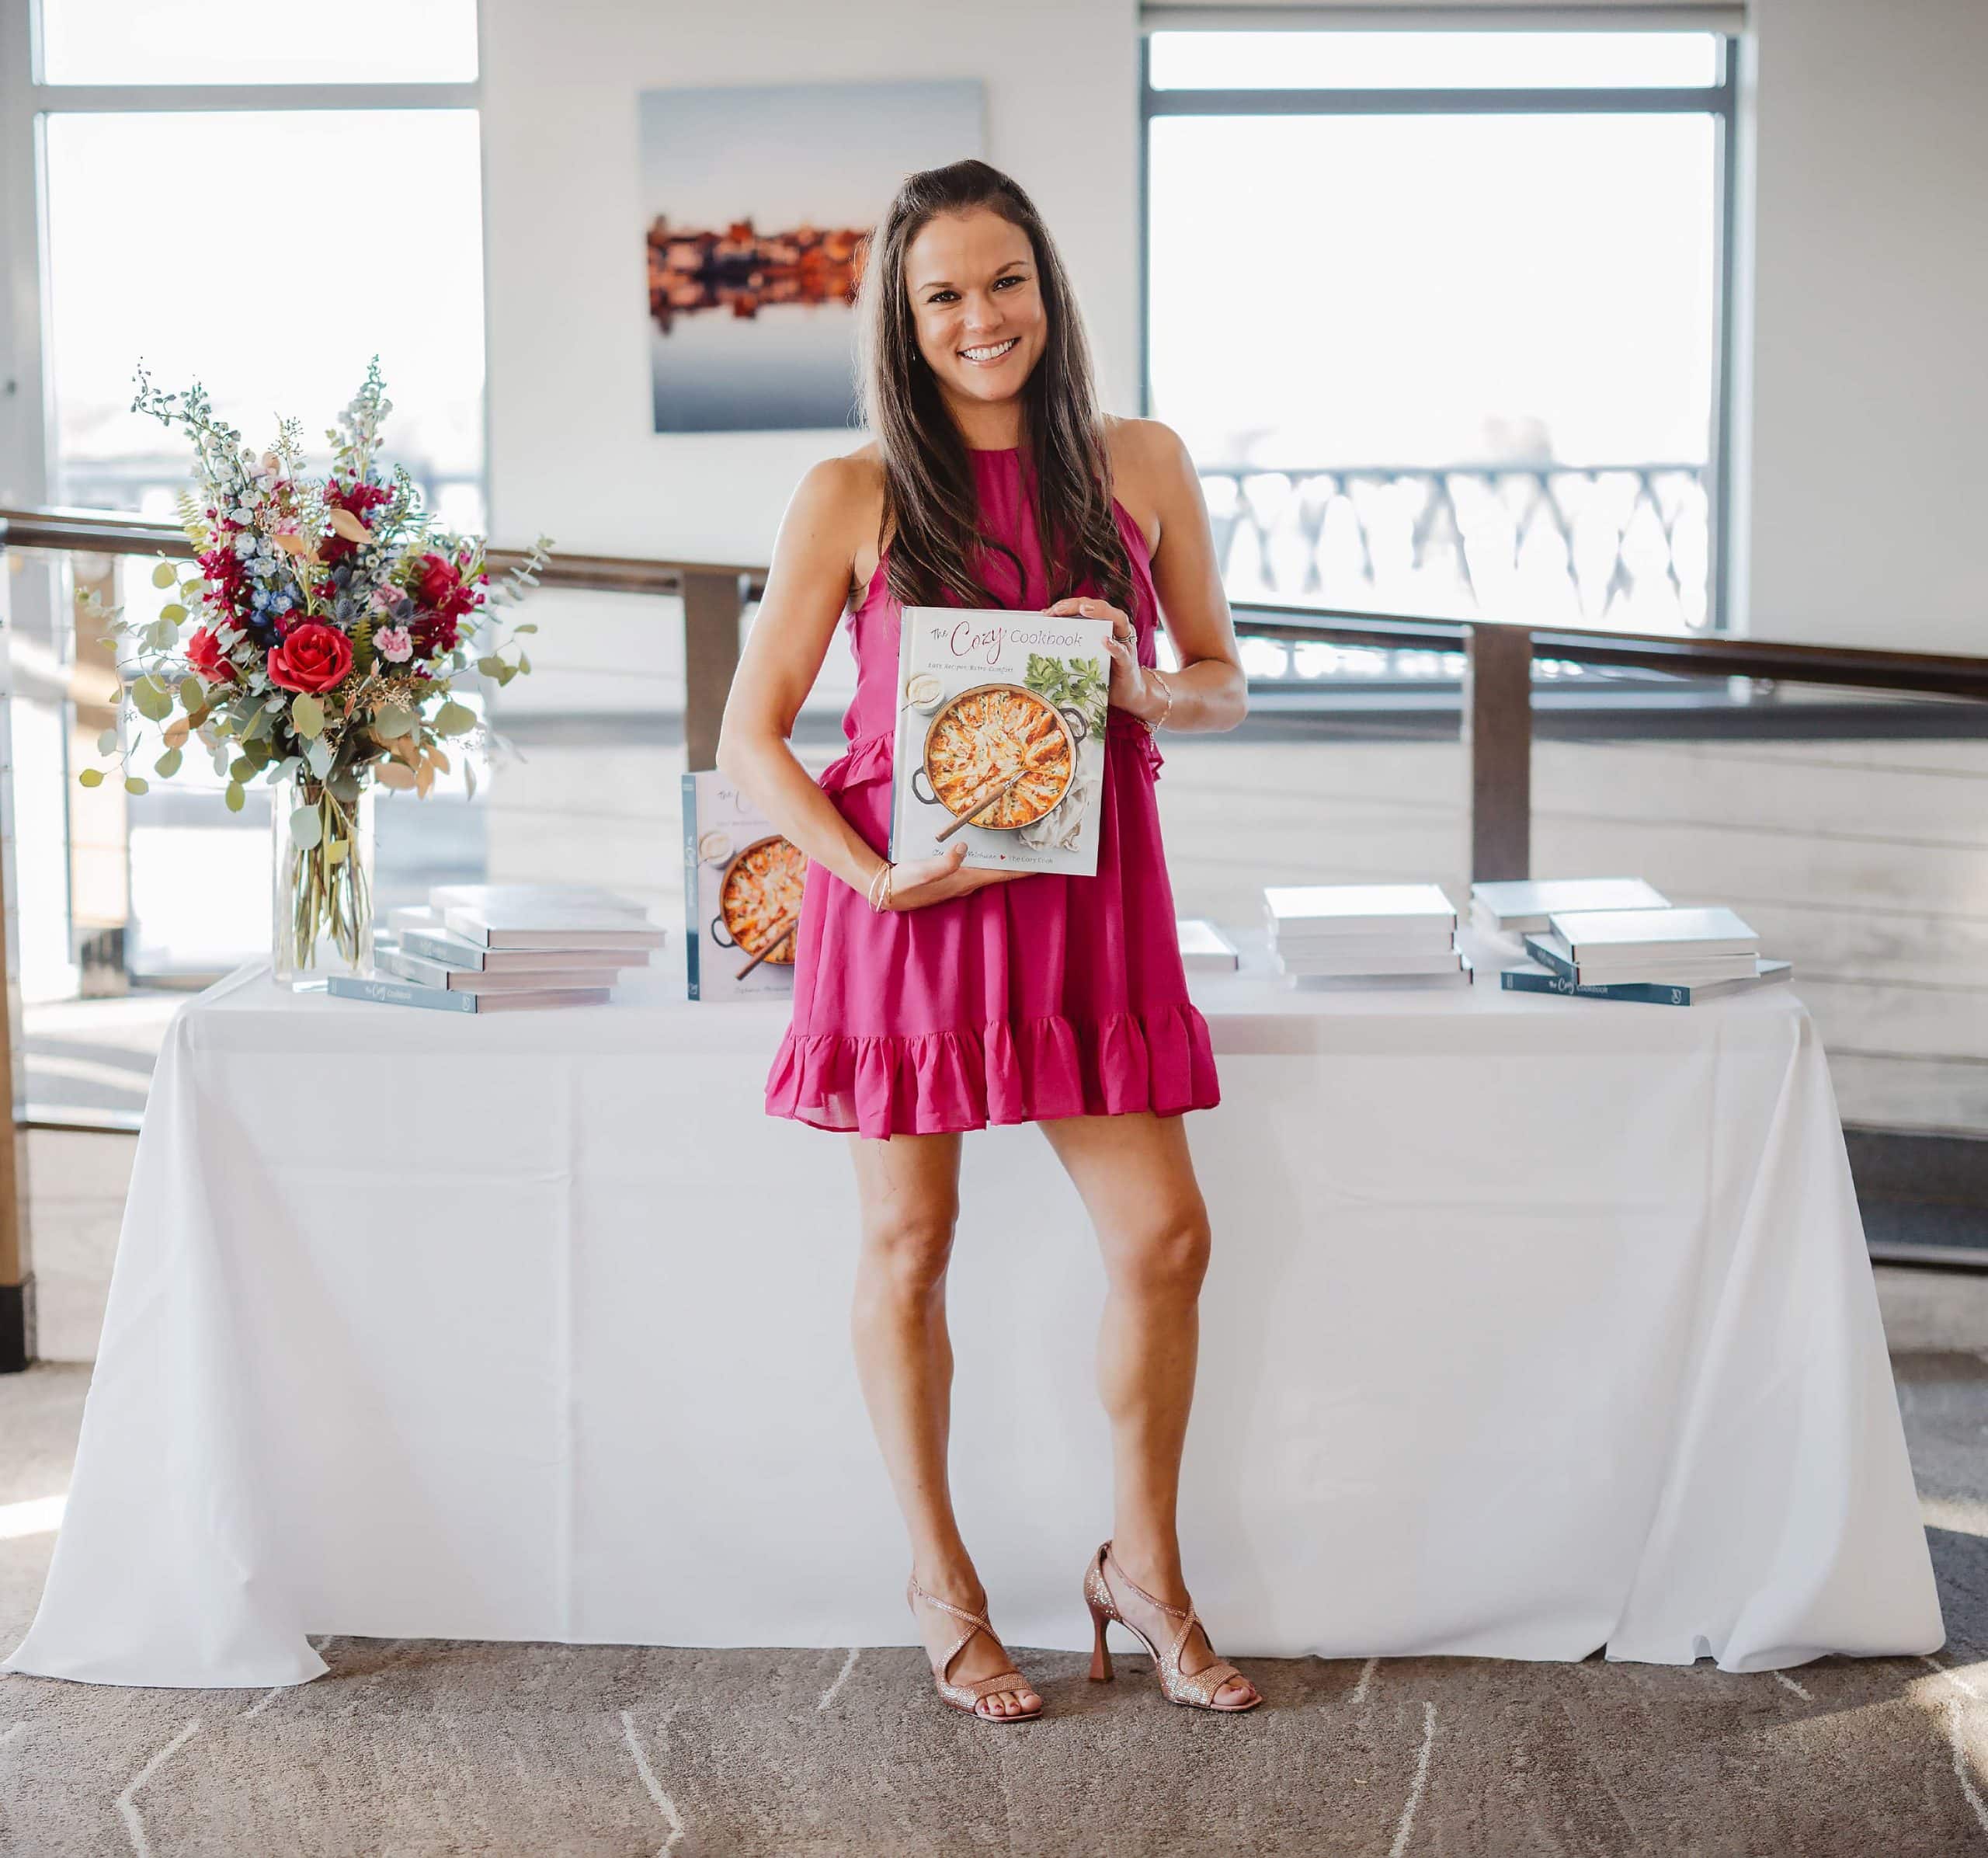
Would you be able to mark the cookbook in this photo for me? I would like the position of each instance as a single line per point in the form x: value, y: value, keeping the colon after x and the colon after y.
x: 1000, y: 743
x: 742, y: 894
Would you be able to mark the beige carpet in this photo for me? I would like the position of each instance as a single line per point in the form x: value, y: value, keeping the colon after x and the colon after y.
x: 411, y: 1748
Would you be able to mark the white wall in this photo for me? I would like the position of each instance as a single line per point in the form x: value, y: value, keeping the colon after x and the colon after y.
x: 1863, y: 397
x: 1865, y: 471
x: 572, y: 450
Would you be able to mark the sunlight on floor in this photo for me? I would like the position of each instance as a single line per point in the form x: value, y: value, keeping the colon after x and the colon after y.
x: 37, y: 1516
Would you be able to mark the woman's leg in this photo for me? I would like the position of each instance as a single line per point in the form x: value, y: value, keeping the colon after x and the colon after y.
x: 1136, y: 1182
x: 908, y: 1186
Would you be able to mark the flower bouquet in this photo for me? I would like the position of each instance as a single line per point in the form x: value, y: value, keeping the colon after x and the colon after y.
x: 330, y: 621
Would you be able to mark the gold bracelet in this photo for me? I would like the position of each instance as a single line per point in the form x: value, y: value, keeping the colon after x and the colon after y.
x: 1152, y: 723
x: 881, y: 874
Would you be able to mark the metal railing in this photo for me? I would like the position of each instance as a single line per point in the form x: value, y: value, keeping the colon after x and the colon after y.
x: 1496, y: 713
x: 1575, y: 545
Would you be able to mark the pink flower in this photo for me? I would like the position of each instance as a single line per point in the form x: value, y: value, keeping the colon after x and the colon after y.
x: 395, y: 644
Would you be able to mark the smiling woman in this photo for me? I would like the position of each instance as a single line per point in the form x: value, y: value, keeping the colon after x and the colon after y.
x: 930, y: 998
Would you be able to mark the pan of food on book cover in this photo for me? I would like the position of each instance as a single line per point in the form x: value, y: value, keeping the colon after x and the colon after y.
x: 1011, y: 767
x: 760, y: 895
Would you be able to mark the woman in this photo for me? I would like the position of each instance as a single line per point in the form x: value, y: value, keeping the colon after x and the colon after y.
x: 930, y: 998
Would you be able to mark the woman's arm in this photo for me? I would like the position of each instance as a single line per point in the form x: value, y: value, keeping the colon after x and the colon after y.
x: 807, y: 588
x: 1209, y: 691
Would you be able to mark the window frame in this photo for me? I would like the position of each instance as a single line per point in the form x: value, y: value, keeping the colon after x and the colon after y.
x: 26, y: 102
x: 1718, y: 100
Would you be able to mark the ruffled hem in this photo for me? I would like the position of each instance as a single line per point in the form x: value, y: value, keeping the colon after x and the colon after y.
x: 1007, y: 1071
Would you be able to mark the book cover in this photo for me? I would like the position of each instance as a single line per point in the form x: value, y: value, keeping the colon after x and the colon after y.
x: 1000, y: 738
x: 1204, y: 947
x: 1533, y: 978
x: 742, y: 894
x: 382, y: 990
x: 1510, y: 905
x: 437, y: 944
x: 1298, y: 912
x: 549, y: 926
x: 1681, y: 967
x: 512, y: 896
x: 403, y: 964
x: 1712, y: 930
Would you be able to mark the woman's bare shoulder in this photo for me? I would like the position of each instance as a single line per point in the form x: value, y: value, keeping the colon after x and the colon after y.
x: 858, y: 477
x: 1146, y: 455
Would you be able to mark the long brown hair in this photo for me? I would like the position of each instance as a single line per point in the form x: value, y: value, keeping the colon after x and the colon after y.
x: 928, y: 487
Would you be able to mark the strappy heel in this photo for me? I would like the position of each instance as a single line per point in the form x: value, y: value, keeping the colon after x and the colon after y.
x: 967, y: 1696
x: 1196, y: 1688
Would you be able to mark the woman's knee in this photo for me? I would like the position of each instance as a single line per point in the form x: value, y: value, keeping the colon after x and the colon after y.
x: 1167, y: 1256
x: 906, y: 1248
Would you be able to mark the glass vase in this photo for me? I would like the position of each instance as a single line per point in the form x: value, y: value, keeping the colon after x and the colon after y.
x: 321, y: 914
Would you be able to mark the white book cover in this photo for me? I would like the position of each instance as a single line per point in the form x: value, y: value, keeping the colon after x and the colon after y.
x: 1204, y: 947
x: 1515, y: 903
x: 742, y: 885
x: 1462, y: 975
x: 547, y: 926
x: 1318, y: 909
x: 514, y: 896
x: 438, y: 944
x: 1407, y: 961
x: 408, y: 966
x: 1000, y: 738
x: 1715, y: 930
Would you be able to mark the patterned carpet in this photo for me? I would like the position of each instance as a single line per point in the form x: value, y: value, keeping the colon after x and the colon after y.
x: 418, y: 1749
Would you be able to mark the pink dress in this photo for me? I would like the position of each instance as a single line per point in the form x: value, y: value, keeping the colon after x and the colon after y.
x: 1046, y: 996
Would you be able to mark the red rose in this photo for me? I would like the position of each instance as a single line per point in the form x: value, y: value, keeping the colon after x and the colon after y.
x: 313, y: 656
x: 209, y: 661
x: 435, y: 582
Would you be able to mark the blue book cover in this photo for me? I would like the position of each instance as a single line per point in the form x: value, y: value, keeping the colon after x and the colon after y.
x: 386, y: 993
x: 1535, y: 979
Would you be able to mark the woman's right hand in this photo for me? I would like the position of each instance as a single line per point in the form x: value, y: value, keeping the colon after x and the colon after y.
x: 918, y: 882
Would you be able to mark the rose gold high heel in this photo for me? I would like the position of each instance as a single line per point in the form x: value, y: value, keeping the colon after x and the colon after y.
x: 1196, y: 1688
x: 967, y: 1696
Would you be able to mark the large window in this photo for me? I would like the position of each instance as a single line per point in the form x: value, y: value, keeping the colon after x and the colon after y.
x: 262, y: 198
x: 1439, y: 316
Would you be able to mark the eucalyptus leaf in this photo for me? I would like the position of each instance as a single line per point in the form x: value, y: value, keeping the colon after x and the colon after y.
x: 391, y: 720
x: 136, y: 783
x: 91, y: 777
x: 319, y: 757
x: 172, y: 614
x: 234, y: 797
x: 490, y: 667
x: 307, y: 716
x: 164, y: 575
x: 306, y: 829
x: 193, y: 694
x: 241, y: 769
x: 106, y: 744
x: 168, y: 764
x: 152, y: 699
x: 452, y: 717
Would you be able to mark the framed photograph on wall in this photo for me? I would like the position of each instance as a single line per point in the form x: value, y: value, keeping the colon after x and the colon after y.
x: 758, y: 202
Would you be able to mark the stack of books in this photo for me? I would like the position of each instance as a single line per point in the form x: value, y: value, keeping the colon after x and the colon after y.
x: 1667, y: 957
x: 1204, y: 948
x: 1511, y: 907
x: 1340, y: 935
x: 505, y: 947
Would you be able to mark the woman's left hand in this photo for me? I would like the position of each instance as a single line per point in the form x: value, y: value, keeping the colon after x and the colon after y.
x: 1133, y: 687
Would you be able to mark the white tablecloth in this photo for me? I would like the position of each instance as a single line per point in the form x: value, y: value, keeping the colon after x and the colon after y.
x: 1534, y: 1325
